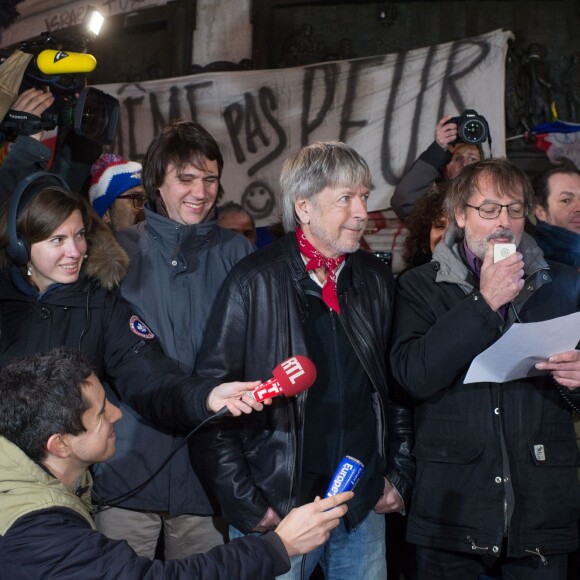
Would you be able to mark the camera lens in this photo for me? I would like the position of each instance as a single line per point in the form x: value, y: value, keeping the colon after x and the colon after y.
x: 473, y: 131
x: 90, y: 116
x: 94, y: 117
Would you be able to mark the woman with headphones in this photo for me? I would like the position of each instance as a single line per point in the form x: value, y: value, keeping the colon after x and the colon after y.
x: 60, y: 267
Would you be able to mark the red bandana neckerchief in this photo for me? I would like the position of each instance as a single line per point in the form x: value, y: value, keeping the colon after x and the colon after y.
x: 317, y: 260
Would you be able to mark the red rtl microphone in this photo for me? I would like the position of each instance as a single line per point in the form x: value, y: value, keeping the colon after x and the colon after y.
x: 291, y: 377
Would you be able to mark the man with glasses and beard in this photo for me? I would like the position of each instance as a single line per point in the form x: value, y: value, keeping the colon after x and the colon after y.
x: 497, y: 489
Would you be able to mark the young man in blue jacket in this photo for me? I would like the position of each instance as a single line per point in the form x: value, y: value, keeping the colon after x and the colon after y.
x: 179, y: 257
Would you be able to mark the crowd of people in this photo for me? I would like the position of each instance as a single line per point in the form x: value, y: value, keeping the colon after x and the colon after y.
x: 137, y: 317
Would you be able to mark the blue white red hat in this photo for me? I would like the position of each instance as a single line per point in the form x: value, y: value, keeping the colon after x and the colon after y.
x: 111, y: 176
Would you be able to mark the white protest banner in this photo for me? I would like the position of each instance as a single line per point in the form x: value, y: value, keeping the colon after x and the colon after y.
x: 386, y: 107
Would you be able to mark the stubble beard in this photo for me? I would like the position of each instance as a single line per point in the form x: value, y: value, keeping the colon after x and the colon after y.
x: 479, y: 245
x: 335, y: 243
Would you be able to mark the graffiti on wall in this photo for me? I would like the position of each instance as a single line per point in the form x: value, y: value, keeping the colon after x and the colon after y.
x: 386, y: 107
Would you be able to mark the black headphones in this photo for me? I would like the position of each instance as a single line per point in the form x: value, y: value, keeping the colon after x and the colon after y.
x: 18, y: 246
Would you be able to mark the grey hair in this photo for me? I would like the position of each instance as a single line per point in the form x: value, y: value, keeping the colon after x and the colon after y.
x: 314, y: 168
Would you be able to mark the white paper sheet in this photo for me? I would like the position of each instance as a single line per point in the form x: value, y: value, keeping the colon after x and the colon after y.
x: 514, y: 355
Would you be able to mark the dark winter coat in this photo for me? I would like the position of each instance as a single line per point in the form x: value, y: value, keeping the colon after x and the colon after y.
x: 492, y: 459
x: 46, y: 531
x: 175, y: 273
x: 257, y: 322
x: 90, y: 315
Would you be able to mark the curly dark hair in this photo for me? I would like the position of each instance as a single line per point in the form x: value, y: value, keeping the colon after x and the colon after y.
x: 427, y: 211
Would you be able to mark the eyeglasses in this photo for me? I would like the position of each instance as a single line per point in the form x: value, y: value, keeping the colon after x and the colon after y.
x: 489, y: 211
x: 138, y: 200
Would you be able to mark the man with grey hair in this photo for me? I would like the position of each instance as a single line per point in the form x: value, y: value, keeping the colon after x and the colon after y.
x: 497, y: 487
x: 312, y: 293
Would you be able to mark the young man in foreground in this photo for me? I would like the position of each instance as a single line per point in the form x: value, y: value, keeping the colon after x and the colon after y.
x: 55, y: 421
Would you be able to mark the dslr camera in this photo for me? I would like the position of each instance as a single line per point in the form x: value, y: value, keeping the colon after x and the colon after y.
x: 471, y: 127
x: 93, y: 115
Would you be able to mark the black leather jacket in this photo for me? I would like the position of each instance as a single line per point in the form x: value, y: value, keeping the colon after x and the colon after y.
x: 255, y: 462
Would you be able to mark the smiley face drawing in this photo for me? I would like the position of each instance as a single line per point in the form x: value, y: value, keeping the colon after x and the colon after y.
x: 258, y: 200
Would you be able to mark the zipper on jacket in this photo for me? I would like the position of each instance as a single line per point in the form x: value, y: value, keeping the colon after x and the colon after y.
x: 474, y: 546
x: 537, y: 552
x: 499, y: 403
x: 292, y: 463
x: 335, y: 321
x: 362, y: 332
x: 138, y: 346
x: 333, y: 318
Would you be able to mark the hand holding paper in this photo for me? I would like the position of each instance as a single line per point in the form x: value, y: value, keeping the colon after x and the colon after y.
x: 517, y: 353
x: 565, y: 367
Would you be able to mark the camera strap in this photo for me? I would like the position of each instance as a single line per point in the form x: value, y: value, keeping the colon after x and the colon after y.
x: 20, y: 123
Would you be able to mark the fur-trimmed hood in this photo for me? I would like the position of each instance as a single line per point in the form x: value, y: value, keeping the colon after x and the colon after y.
x: 107, y: 261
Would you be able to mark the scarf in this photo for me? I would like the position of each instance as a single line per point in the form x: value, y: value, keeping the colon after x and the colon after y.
x: 317, y: 260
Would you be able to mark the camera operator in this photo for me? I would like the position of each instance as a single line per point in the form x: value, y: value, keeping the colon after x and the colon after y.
x: 441, y: 161
x: 27, y: 154
x: 73, y: 158
x: 86, y: 117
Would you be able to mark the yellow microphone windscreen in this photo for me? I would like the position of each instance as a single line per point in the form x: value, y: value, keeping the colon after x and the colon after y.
x: 53, y: 62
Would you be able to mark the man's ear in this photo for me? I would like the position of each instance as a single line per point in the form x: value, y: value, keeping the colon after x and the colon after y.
x: 460, y: 216
x: 57, y: 445
x: 540, y: 213
x: 301, y: 207
x: 107, y: 217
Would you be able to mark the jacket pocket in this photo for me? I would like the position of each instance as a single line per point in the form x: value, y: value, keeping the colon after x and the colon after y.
x: 448, y: 450
x: 449, y: 475
x: 550, y: 487
x: 554, y: 453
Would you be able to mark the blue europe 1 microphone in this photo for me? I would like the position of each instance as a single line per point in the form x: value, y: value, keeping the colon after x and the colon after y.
x: 346, y: 476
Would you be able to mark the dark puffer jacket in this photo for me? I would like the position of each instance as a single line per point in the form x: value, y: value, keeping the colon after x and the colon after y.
x: 176, y: 270
x: 90, y: 315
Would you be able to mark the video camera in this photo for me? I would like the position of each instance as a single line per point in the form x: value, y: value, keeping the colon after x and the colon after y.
x: 94, y: 115
x: 471, y: 127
